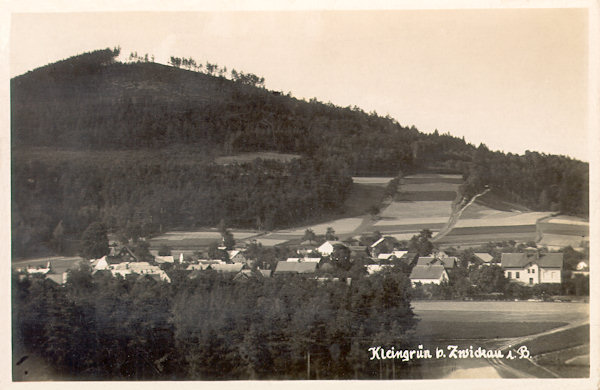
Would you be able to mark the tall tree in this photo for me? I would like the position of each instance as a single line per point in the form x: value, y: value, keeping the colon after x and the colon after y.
x: 94, y: 241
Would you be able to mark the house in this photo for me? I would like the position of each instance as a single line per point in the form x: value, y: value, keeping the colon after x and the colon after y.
x: 375, y: 268
x: 125, y: 254
x: 164, y: 259
x: 303, y: 259
x: 237, y: 256
x: 582, y: 268
x: 373, y: 250
x: 485, y: 258
x: 284, y: 267
x: 426, y: 274
x: 59, y: 279
x: 100, y: 264
x: 446, y: 262
x: 265, y: 272
x: 327, y: 248
x: 228, y: 268
x: 532, y: 268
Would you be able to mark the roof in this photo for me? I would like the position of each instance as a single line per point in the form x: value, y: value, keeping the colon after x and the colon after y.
x: 164, y: 259
x: 520, y: 260
x: 447, y: 262
x: 227, y: 267
x: 485, y: 257
x: 234, y: 253
x: 399, y: 254
x: 265, y: 272
x: 57, y: 278
x: 373, y: 245
x: 425, y: 260
x: 301, y: 268
x: 433, y: 272
x: 374, y: 268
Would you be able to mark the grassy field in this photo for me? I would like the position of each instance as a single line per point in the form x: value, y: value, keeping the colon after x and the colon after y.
x: 463, y: 322
x: 453, y: 331
x: 249, y: 157
x: 426, y: 209
x: 372, y: 181
x: 194, y: 240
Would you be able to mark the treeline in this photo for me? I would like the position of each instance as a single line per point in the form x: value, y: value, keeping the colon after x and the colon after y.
x: 538, y: 181
x: 211, y: 327
x: 56, y: 200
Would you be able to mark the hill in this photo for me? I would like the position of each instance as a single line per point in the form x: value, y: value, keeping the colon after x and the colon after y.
x: 94, y: 139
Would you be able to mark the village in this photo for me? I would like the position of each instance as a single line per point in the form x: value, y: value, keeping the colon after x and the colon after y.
x: 327, y: 259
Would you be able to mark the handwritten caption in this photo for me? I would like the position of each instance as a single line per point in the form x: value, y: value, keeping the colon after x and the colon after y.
x: 450, y: 352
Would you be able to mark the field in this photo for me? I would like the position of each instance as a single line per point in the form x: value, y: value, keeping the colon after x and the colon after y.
x: 499, y: 324
x: 194, y: 240
x: 372, y: 181
x: 249, y: 157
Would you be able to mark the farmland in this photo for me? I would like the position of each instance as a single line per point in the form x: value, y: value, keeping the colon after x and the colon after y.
x: 423, y: 201
x: 497, y: 324
x: 249, y: 157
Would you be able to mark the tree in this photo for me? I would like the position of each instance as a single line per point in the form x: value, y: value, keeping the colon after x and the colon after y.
x: 164, y: 250
x: 330, y: 234
x: 421, y: 243
x: 94, y: 241
x: 309, y: 235
x: 58, y: 237
x: 489, y: 278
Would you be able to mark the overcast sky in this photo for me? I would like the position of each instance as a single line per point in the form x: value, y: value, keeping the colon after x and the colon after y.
x: 514, y: 79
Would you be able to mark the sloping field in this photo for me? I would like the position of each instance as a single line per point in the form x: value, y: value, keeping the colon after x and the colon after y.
x: 249, y: 157
x: 508, y: 219
x: 187, y: 240
x: 557, y: 241
x: 374, y: 181
x: 417, y: 210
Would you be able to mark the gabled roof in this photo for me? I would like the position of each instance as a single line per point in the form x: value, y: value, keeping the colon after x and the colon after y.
x: 551, y: 260
x: 447, y: 262
x: 520, y: 260
x: 485, y: 257
x: 301, y: 268
x: 425, y: 260
x: 433, y: 272
x: 373, y: 245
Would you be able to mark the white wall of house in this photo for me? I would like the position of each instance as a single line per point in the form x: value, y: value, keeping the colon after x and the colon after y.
x: 532, y: 274
x: 443, y: 277
x: 550, y: 275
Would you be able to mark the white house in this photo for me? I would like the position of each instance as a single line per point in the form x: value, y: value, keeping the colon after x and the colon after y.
x: 326, y: 249
x: 426, y: 274
x: 533, y: 268
x: 375, y: 268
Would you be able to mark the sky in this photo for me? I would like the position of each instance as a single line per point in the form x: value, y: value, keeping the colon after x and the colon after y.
x: 514, y: 79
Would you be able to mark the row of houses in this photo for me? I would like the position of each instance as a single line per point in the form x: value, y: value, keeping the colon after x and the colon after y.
x: 530, y: 268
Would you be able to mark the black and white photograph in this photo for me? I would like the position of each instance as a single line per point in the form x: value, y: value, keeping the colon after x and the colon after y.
x: 232, y: 193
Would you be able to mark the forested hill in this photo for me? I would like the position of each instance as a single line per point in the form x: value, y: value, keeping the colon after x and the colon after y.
x: 108, y: 105
x: 92, y: 103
